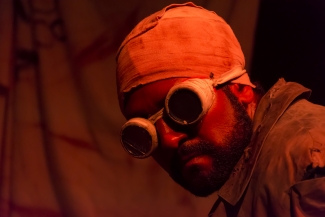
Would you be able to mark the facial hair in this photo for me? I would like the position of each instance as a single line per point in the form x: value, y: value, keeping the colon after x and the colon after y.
x: 224, y: 156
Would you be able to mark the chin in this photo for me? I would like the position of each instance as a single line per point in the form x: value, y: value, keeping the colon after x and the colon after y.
x: 201, y: 184
x: 199, y: 179
x: 208, y: 171
x: 197, y: 176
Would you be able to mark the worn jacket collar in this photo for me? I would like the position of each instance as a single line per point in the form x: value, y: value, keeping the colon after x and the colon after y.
x: 269, y: 110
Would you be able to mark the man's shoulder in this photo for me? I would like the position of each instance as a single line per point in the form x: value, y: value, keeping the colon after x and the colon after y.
x: 300, y: 124
x: 299, y: 131
x: 303, y: 117
x: 286, y: 107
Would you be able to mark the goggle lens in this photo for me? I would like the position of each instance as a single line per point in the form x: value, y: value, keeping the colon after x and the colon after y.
x: 136, y: 140
x: 184, y: 106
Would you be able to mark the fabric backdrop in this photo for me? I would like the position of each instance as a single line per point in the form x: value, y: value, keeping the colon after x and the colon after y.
x: 59, y: 117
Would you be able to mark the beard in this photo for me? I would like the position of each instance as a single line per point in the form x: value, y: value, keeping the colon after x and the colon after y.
x: 224, y: 156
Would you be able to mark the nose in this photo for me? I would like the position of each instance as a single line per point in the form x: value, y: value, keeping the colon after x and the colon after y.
x: 168, y: 138
x: 169, y: 141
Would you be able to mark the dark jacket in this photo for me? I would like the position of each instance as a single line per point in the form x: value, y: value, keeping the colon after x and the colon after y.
x: 281, y: 172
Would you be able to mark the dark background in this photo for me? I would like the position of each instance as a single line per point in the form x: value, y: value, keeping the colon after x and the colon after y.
x: 290, y: 43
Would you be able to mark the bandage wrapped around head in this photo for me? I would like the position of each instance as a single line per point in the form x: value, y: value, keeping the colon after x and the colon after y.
x: 181, y: 40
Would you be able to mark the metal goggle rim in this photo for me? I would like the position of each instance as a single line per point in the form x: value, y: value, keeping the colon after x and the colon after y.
x: 148, y: 125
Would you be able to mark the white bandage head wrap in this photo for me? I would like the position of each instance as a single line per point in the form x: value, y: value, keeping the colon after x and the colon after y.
x: 181, y: 40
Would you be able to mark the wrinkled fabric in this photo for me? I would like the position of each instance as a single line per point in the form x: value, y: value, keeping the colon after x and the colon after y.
x: 181, y: 40
x: 288, y: 140
x: 60, y: 152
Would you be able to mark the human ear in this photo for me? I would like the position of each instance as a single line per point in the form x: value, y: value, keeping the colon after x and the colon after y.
x: 244, y: 93
x: 246, y: 97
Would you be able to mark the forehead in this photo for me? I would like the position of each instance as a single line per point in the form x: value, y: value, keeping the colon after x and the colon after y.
x: 149, y: 99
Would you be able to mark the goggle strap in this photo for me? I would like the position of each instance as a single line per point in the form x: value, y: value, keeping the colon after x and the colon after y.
x: 229, y: 75
x: 156, y: 116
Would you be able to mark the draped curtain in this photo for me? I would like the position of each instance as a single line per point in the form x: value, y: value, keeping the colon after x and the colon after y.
x: 59, y: 117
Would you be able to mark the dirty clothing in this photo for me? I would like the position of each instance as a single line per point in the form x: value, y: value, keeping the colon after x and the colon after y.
x: 281, y: 172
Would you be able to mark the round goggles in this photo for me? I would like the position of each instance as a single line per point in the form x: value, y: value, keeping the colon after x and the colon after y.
x: 185, y: 104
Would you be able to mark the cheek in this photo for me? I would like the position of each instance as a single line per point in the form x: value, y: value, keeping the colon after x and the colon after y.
x: 219, y: 121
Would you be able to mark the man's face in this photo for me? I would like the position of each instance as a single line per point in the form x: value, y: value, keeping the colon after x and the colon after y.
x: 201, y: 157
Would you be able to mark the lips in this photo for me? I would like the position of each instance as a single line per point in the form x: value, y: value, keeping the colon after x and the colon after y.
x: 187, y: 158
x: 189, y: 150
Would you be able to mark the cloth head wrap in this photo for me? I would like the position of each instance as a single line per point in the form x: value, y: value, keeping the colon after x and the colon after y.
x: 181, y: 40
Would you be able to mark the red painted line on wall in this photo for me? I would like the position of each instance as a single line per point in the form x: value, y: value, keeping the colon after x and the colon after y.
x: 73, y: 141
x: 68, y: 139
x: 97, y: 50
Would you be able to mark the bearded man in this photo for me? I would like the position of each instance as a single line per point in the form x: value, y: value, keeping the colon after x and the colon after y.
x: 189, y: 102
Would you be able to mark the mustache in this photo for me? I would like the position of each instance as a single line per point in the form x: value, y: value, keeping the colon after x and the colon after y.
x: 200, y: 147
